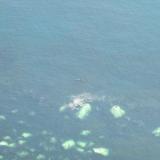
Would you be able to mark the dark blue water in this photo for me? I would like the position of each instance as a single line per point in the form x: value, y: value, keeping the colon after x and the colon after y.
x: 51, y: 50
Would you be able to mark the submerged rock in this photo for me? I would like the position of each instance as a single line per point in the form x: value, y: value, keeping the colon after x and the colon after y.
x: 53, y: 140
x: 117, y: 111
x: 68, y: 144
x: 77, y: 101
x: 7, y: 138
x: 85, y: 132
x: 26, y: 134
x: 82, y: 144
x: 40, y: 157
x: 12, y: 145
x: 23, y: 154
x: 21, y: 142
x: 62, y: 108
x: 4, y: 143
x: 84, y: 111
x: 101, y: 151
x: 2, y: 117
x: 156, y: 132
x: 1, y: 157
x: 80, y: 149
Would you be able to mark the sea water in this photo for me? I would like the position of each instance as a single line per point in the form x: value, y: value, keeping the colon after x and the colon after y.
x: 54, y: 50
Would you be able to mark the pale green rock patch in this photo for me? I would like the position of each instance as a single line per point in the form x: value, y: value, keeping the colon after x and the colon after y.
x: 4, y: 143
x: 7, y: 138
x: 68, y: 144
x: 26, y: 134
x: 156, y: 132
x: 2, y: 117
x: 80, y: 149
x: 84, y: 111
x: 82, y: 144
x: 62, y: 108
x: 85, y: 133
x: 53, y: 140
x: 11, y: 145
x: 21, y: 142
x: 40, y: 157
x: 101, y: 151
x: 23, y: 154
x: 1, y: 157
x: 117, y: 111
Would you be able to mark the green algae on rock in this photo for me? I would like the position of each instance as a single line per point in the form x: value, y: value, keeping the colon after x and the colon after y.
x: 2, y: 117
x: 85, y: 132
x: 1, y: 157
x: 11, y: 145
x: 81, y: 144
x: 53, y: 140
x: 156, y: 132
x: 80, y: 149
x: 101, y: 151
x: 26, y: 134
x: 23, y: 154
x: 62, y: 108
x: 4, y: 143
x: 117, y: 111
x: 84, y: 111
x: 40, y: 157
x: 7, y: 138
x: 68, y: 144
x: 21, y: 142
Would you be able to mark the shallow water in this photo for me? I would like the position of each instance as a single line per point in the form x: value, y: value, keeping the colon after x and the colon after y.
x: 52, y: 50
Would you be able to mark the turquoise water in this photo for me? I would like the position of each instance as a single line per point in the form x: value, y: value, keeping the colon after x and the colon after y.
x: 52, y: 50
